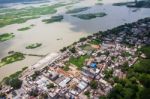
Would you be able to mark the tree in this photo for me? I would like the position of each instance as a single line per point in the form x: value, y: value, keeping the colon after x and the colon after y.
x: 82, y: 39
x: 64, y: 49
x: 125, y: 67
x: 94, y: 84
x: 73, y: 50
x: 36, y: 73
x: 102, y: 97
x: 144, y: 94
x: 15, y: 83
x: 145, y: 80
x: 87, y: 93
x: 51, y: 85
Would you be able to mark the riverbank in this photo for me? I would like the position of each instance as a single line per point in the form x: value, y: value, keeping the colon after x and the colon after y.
x: 70, y: 29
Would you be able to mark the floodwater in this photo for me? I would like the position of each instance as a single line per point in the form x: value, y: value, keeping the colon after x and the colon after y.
x: 68, y: 31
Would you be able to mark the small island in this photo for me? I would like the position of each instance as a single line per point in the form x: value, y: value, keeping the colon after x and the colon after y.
x: 77, y: 10
x: 90, y: 15
x: 136, y: 4
x: 33, y: 46
x: 17, y: 16
x: 17, y: 56
x: 54, y: 19
x: 6, y: 36
x: 24, y: 29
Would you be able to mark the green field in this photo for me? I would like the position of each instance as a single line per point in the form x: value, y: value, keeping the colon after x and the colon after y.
x: 33, y: 46
x: 77, y: 10
x: 54, y: 19
x: 6, y: 36
x: 79, y: 62
x: 15, y: 16
x: 17, y: 56
x: 95, y: 42
x: 24, y: 29
x: 90, y: 15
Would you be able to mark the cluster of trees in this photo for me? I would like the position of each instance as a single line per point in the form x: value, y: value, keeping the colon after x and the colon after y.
x: 50, y: 85
x: 137, y: 83
x: 35, y: 75
x: 13, y: 80
x: 94, y: 84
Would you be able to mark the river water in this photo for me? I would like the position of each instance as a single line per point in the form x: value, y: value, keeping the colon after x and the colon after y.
x: 68, y: 31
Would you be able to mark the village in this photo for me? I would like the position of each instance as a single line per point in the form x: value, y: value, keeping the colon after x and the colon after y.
x: 87, y: 68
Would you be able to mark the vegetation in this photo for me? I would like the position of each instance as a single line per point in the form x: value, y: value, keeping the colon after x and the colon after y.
x: 33, y: 46
x: 23, y: 29
x: 79, y: 62
x: 96, y: 42
x: 13, y: 80
x: 17, y: 56
x: 6, y: 36
x: 63, y: 49
x: 66, y: 67
x: 108, y: 73
x: 82, y: 39
x: 94, y: 84
x: 77, y: 10
x: 72, y: 50
x: 87, y: 93
x: 138, y: 4
x: 12, y: 16
x: 125, y: 54
x: 90, y: 15
x: 87, y: 47
x: 136, y: 84
x: 54, y: 19
x: 35, y: 75
x: 51, y: 85
x: 102, y: 97
x: 146, y: 50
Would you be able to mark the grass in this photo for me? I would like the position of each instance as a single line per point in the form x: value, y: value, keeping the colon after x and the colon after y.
x: 33, y: 46
x: 79, y: 62
x: 54, y: 19
x: 15, y: 16
x: 66, y: 67
x: 77, y: 10
x: 90, y: 15
x: 142, y: 65
x: 87, y: 47
x: 24, y: 29
x: 146, y: 50
x: 17, y: 56
x: 96, y: 42
x: 125, y: 54
x: 6, y: 36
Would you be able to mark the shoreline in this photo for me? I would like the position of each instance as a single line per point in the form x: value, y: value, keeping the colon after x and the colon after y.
x: 71, y: 30
x: 53, y: 55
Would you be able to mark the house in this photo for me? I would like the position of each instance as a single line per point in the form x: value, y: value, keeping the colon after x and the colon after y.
x: 64, y: 82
